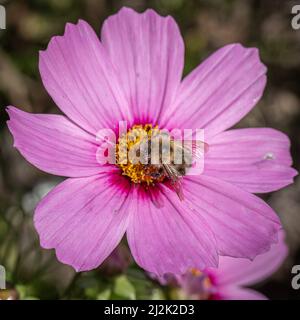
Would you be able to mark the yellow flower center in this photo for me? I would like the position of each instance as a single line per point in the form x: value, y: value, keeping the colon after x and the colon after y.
x: 206, y: 281
x: 137, y: 172
x: 205, y: 289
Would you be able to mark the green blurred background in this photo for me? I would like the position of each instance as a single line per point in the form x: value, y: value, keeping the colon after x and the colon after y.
x: 206, y: 25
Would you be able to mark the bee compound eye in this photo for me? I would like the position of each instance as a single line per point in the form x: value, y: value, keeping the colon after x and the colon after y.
x: 155, y: 175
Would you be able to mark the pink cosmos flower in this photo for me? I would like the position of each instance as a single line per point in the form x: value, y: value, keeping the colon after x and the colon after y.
x: 134, y: 73
x: 230, y: 280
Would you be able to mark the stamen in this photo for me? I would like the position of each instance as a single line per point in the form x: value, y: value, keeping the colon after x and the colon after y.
x: 199, y: 284
x: 137, y: 172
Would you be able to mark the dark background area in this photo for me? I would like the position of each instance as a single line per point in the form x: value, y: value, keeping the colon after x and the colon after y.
x: 206, y: 25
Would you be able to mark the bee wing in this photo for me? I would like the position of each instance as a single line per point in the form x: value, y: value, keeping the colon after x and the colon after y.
x: 196, y: 148
x: 174, y: 176
x: 199, y: 147
x: 194, y: 152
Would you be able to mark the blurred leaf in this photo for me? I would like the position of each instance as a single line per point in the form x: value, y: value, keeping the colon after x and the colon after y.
x: 104, y: 295
x: 124, y: 288
x: 157, y: 294
x: 24, y: 291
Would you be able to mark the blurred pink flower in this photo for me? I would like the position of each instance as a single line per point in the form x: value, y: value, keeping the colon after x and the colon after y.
x: 117, y: 262
x: 230, y: 280
x: 135, y: 74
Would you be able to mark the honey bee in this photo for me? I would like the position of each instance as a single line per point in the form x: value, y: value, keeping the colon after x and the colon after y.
x: 166, y: 158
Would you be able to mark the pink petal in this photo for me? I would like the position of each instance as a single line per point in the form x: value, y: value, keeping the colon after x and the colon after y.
x: 234, y: 271
x: 147, y: 51
x: 243, y: 224
x: 257, y: 159
x: 171, y: 238
x: 83, y: 219
x: 81, y: 80
x: 54, y: 144
x: 236, y: 293
x: 218, y: 93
